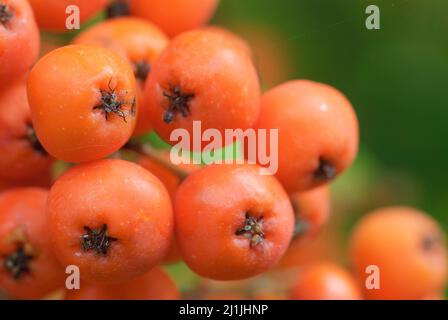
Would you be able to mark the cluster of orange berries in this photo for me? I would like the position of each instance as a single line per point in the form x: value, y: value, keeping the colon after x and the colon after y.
x: 119, y: 219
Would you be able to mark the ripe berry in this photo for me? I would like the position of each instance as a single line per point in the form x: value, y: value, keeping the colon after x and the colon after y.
x: 325, y: 281
x: 153, y: 285
x: 27, y: 267
x: 174, y: 16
x: 312, y: 210
x: 408, y: 248
x: 171, y: 181
x: 19, y: 40
x: 231, y: 222
x: 83, y: 102
x: 23, y: 160
x: 111, y: 218
x: 51, y: 14
x: 318, y: 132
x: 139, y: 42
x: 202, y: 76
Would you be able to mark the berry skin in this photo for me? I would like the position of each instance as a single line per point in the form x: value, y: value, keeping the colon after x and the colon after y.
x: 51, y: 14
x: 407, y: 246
x: 153, y: 285
x: 171, y: 182
x: 112, y: 218
x: 19, y: 40
x: 23, y: 160
x: 233, y: 39
x: 231, y: 222
x: 318, y: 132
x: 201, y: 75
x: 312, y: 210
x: 174, y: 16
x: 83, y: 102
x: 139, y: 42
x: 27, y: 268
x: 325, y: 281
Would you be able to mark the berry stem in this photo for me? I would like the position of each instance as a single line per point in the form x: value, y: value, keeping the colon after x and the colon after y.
x: 118, y: 8
x: 155, y: 155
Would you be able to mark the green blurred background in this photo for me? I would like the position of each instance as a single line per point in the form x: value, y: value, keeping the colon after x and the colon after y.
x: 396, y: 78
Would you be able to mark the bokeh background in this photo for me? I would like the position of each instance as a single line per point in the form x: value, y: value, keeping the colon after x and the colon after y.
x: 397, y: 80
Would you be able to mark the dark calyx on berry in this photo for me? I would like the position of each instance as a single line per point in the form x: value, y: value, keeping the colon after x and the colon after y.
x: 17, y: 263
x: 301, y: 226
x: 252, y: 230
x: 430, y: 242
x: 325, y: 171
x: 96, y: 240
x: 141, y: 70
x: 110, y: 103
x: 178, y: 103
x: 5, y: 14
x: 118, y: 8
x: 34, y: 141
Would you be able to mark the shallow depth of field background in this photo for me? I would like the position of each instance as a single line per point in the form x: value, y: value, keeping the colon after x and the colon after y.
x: 395, y: 77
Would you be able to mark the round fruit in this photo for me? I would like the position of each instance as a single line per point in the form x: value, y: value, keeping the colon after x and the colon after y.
x: 317, y: 132
x: 51, y: 15
x: 153, y: 285
x: 231, y: 222
x: 19, y: 40
x: 202, y: 76
x: 312, y: 210
x: 407, y: 246
x: 24, y: 161
x: 139, y: 42
x: 174, y: 16
x: 83, y: 102
x: 325, y: 281
x: 111, y: 218
x: 27, y: 267
x: 171, y: 181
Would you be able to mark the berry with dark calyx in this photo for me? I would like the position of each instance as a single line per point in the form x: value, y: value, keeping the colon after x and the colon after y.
x: 202, y: 75
x: 19, y: 41
x: 28, y: 269
x: 232, y: 222
x: 23, y: 160
x: 420, y: 268
x: 317, y: 132
x: 86, y: 109
x: 111, y: 218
